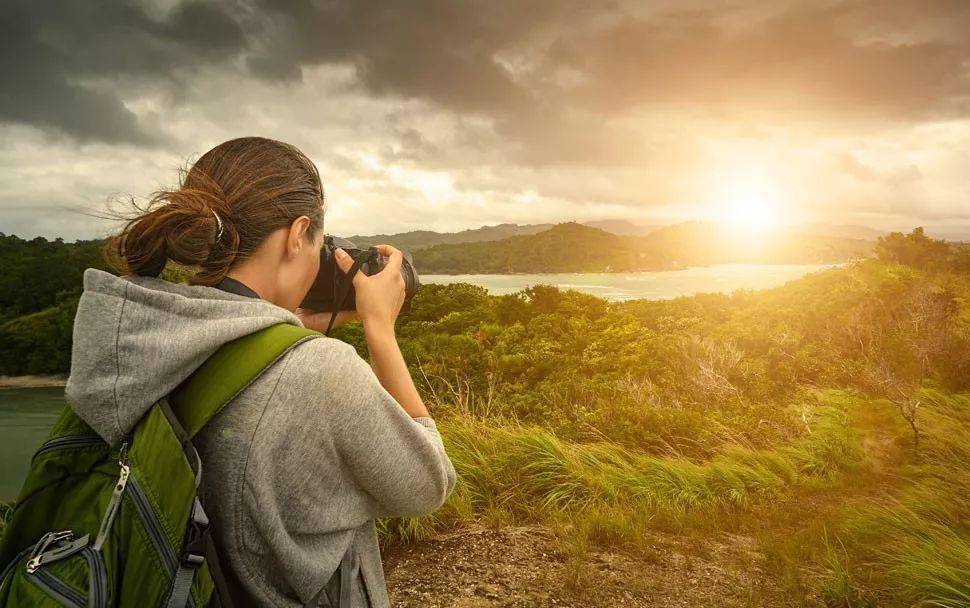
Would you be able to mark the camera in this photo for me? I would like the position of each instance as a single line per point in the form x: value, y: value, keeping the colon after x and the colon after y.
x: 333, y: 290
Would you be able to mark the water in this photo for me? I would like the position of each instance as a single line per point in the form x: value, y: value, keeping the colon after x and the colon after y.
x: 663, y: 285
x: 26, y: 414
x: 26, y: 417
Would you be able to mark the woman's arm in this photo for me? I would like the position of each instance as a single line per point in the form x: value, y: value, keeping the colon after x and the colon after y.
x: 389, y: 367
x: 379, y: 299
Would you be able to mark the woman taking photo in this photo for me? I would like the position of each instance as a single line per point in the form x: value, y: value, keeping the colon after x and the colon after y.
x: 301, y: 462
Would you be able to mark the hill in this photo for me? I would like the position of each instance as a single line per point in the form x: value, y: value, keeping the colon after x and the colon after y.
x: 420, y: 239
x: 566, y: 247
x: 36, y: 274
x: 622, y: 227
x: 573, y: 247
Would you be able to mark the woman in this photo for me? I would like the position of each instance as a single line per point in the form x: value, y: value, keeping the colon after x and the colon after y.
x: 300, y: 463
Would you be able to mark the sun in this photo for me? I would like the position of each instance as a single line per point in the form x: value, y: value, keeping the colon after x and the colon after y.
x: 749, y: 212
x: 748, y: 200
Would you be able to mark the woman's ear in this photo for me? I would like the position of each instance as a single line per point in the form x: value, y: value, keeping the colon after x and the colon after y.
x: 298, y: 236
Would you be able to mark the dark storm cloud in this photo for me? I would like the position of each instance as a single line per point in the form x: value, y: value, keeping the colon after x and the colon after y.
x: 550, y: 75
x: 445, y: 51
x: 58, y: 60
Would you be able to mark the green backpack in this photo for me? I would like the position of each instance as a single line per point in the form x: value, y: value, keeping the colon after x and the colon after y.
x: 123, y: 525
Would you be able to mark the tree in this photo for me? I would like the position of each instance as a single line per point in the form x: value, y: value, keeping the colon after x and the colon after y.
x: 914, y: 249
x: 901, y: 342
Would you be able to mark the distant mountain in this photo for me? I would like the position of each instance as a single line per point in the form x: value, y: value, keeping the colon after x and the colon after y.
x: 622, y: 227
x: 419, y: 239
x: 568, y: 247
x: 573, y: 247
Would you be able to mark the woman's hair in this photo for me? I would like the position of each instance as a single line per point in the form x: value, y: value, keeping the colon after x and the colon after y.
x: 226, y: 205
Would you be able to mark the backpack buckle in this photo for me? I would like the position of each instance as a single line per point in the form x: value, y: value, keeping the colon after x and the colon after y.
x: 196, y: 536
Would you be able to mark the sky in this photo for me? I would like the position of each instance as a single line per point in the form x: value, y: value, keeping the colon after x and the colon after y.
x: 452, y: 114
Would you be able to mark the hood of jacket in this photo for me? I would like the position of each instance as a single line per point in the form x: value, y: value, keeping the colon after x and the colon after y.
x: 137, y: 338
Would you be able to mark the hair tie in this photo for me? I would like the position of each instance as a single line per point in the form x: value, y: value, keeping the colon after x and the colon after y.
x: 218, y: 223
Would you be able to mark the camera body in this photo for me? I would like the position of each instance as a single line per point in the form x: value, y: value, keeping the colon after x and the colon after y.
x: 331, y: 283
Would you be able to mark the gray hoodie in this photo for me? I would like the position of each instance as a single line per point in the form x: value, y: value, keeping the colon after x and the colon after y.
x: 296, y: 467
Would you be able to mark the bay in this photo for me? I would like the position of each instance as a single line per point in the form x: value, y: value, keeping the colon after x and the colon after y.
x: 26, y: 418
x: 663, y: 285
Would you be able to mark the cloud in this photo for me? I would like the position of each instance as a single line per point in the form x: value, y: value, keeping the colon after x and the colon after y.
x: 807, y: 62
x: 62, y: 62
x: 473, y: 111
x: 544, y: 71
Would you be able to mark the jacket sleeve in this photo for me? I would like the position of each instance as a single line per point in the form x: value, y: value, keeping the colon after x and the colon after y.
x: 398, y: 460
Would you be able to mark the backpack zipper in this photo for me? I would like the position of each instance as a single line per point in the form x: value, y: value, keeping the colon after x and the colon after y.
x: 154, y: 528
x: 99, y: 578
x: 45, y: 556
x: 41, y: 546
x: 152, y: 525
x: 57, y: 588
x: 116, y: 494
x: 71, y: 441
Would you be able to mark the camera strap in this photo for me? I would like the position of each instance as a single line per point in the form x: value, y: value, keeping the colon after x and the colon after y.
x: 341, y: 289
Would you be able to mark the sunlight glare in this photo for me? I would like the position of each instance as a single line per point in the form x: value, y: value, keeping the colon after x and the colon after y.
x: 750, y: 212
x: 749, y: 201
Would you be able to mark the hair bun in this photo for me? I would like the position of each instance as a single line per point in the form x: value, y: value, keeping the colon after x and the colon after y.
x: 180, y: 226
x: 230, y: 200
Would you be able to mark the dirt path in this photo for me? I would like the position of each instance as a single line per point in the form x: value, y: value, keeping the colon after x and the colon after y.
x: 519, y: 567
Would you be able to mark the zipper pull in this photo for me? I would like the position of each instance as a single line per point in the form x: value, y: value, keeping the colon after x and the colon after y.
x: 115, y: 502
x: 65, y: 548
x: 46, y: 541
x: 125, y: 469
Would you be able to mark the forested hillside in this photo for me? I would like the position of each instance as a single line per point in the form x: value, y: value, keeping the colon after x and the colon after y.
x: 572, y: 247
x: 420, y: 239
x: 40, y: 282
x: 566, y: 247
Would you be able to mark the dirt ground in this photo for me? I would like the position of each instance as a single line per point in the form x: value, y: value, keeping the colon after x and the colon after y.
x: 520, y: 567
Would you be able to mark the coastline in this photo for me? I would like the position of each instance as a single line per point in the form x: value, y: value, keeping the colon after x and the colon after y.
x: 33, y: 381
x: 676, y: 268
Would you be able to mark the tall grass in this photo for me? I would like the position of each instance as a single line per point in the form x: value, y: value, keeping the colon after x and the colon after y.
x: 608, y: 493
x: 917, y: 544
x: 907, y: 545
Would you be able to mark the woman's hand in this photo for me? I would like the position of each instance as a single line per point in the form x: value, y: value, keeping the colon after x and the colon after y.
x: 379, y: 296
x: 379, y: 300
x: 313, y: 319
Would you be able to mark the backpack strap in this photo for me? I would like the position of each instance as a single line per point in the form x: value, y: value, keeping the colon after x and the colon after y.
x: 230, y: 370
x: 189, y: 408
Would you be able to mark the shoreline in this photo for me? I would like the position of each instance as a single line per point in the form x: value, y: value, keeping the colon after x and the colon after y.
x: 622, y: 272
x: 33, y: 381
